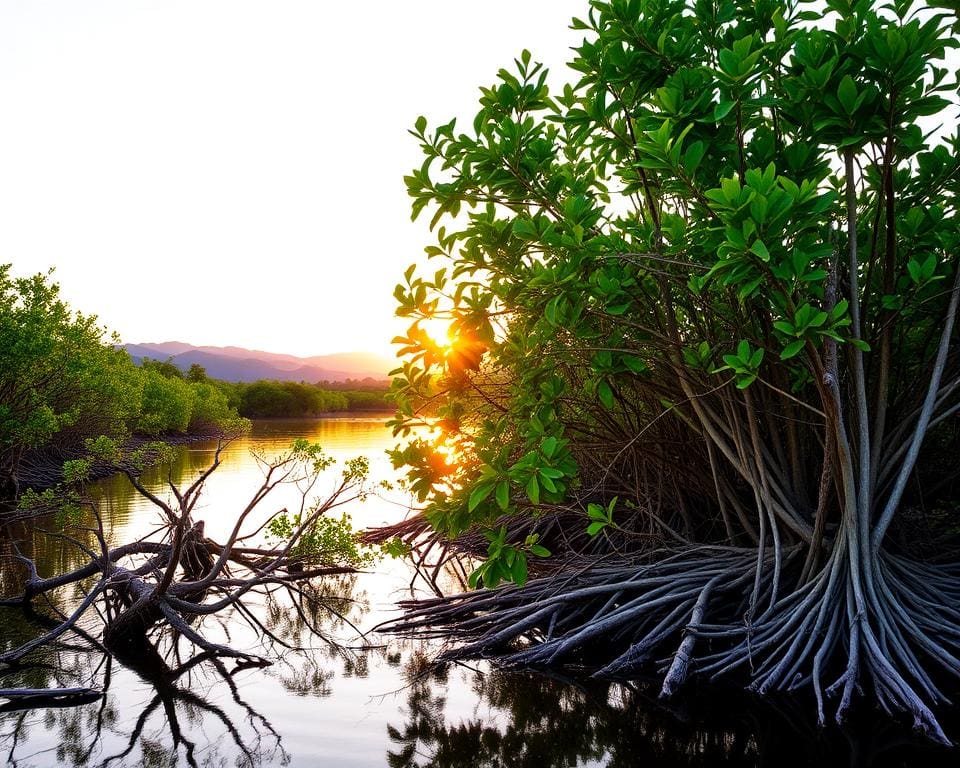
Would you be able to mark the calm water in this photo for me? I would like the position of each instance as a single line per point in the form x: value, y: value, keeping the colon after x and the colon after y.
x: 382, y: 705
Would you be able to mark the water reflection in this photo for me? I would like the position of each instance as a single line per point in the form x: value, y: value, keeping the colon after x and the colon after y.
x: 40, y: 539
x: 332, y: 608
x: 163, y: 703
x: 189, y: 707
x: 538, y: 721
x: 191, y: 713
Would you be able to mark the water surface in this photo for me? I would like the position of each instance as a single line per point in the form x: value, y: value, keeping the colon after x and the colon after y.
x: 342, y: 704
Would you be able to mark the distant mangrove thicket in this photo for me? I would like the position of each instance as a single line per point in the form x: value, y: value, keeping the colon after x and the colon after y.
x: 63, y: 380
x: 274, y: 399
x: 264, y: 399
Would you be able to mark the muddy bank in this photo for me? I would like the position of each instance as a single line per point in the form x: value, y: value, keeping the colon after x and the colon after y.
x: 42, y: 468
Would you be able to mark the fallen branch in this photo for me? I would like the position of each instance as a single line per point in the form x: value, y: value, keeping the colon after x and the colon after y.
x: 180, y: 573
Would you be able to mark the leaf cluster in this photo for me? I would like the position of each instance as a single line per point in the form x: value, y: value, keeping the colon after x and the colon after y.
x: 654, y: 257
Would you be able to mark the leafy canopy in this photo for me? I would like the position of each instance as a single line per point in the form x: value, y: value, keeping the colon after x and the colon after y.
x: 56, y: 372
x: 641, y: 265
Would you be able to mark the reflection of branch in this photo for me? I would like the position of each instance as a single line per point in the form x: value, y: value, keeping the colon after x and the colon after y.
x: 553, y: 721
x: 48, y: 698
x: 137, y: 731
x: 235, y: 694
x: 53, y: 634
x: 16, y: 737
x: 107, y: 676
x: 169, y: 695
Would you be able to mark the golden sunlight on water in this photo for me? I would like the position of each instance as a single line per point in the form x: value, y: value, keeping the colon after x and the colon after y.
x: 331, y: 704
x: 232, y: 485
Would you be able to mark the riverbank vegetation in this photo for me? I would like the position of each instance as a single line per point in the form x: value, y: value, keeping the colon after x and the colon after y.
x: 281, y: 399
x: 63, y: 381
x: 266, y: 399
x: 60, y: 382
x: 703, y: 349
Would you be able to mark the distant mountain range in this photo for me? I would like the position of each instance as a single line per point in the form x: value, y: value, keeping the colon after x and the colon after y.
x: 239, y: 364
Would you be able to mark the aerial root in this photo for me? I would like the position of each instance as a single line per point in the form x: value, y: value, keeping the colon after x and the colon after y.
x: 691, y: 612
x: 677, y: 673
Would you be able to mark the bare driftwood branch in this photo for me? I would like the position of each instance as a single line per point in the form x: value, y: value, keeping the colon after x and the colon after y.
x: 180, y: 573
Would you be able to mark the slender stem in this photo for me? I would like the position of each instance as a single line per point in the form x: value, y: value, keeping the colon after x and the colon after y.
x: 920, y: 431
x: 859, y: 378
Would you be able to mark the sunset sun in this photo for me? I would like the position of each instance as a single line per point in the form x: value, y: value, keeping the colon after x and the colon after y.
x: 438, y: 329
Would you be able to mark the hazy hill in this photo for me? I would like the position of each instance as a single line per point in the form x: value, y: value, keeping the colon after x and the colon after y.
x: 240, y: 364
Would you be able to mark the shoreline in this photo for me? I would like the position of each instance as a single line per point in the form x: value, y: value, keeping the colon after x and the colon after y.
x: 42, y: 469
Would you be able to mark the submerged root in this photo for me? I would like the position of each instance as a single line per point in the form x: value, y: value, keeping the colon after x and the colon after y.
x: 889, y: 627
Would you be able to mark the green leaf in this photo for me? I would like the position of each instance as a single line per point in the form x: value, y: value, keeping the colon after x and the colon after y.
x: 539, y: 550
x: 634, y: 364
x: 729, y: 62
x: 760, y: 250
x: 749, y: 288
x: 524, y: 229
x: 891, y: 302
x: 847, y: 94
x: 840, y: 309
x: 817, y: 320
x: 606, y: 394
x: 722, y: 110
x: 479, y: 494
x: 732, y: 361
x: 693, y: 156
x: 792, y: 349
x: 518, y: 571
x: 533, y: 490
x: 813, y: 276
x: 503, y: 495
x: 549, y: 446
x: 474, y: 578
x: 550, y: 312
x: 594, y: 528
x: 915, y: 270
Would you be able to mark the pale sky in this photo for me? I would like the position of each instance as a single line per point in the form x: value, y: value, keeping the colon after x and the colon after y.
x: 231, y: 172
